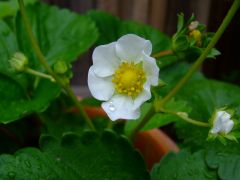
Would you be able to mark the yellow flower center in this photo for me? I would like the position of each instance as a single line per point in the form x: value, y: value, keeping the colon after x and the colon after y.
x: 197, y: 35
x: 129, y: 79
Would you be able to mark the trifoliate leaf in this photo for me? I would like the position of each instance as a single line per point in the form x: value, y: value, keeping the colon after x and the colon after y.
x: 205, y: 96
x: 16, y: 103
x: 61, y: 34
x: 225, y: 160
x: 10, y: 7
x: 158, y: 119
x: 183, y: 166
x: 90, y: 156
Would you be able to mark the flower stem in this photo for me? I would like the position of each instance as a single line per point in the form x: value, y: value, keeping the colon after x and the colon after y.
x: 232, y: 11
x: 185, y: 117
x: 143, y: 121
x: 45, y: 64
x: 203, y: 56
x: 39, y: 74
x: 162, y: 53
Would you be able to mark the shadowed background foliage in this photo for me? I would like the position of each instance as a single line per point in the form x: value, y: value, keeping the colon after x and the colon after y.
x: 162, y: 14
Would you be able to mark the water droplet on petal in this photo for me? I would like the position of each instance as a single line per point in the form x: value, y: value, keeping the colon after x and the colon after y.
x: 11, y: 175
x: 111, y: 107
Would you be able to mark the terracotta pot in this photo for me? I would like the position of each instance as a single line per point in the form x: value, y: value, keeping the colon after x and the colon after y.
x: 94, y: 112
x: 152, y: 144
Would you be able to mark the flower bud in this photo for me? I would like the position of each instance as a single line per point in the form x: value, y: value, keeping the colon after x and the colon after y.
x: 193, y: 25
x: 197, y: 36
x: 19, y: 62
x: 222, y: 123
x: 60, y: 67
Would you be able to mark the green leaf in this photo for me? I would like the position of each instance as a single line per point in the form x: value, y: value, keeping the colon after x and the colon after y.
x: 130, y: 125
x: 62, y: 123
x: 8, y: 46
x: 180, y: 24
x: 180, y: 43
x: 172, y: 74
x: 15, y: 103
x: 225, y: 159
x: 89, y: 156
x: 161, y: 119
x: 194, y: 139
x: 158, y: 119
x: 111, y: 29
x: 205, y: 96
x: 183, y: 166
x: 18, y: 97
x: 10, y: 7
x: 213, y: 53
x: 61, y: 34
x: 62, y: 117
x: 91, y: 102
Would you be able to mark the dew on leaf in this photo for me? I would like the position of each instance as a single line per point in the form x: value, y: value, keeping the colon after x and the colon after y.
x: 58, y: 159
x: 28, y: 164
x: 11, y: 175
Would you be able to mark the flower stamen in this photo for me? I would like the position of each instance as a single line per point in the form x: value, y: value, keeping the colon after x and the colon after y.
x: 129, y: 79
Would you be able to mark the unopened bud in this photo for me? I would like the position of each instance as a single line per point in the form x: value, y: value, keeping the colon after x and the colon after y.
x: 60, y: 67
x: 193, y: 25
x: 222, y: 123
x: 19, y: 62
x: 197, y: 36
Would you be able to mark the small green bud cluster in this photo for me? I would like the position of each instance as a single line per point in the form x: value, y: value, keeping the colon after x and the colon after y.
x: 191, y: 39
x: 19, y: 62
x: 60, y: 67
x: 63, y: 70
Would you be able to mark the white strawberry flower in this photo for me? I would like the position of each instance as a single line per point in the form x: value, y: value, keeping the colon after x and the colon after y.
x: 122, y: 75
x: 222, y: 123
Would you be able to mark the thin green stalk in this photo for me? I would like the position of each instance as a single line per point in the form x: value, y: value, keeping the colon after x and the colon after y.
x: 232, y: 11
x: 145, y: 119
x: 39, y: 74
x: 110, y: 124
x: 44, y: 63
x: 184, y: 117
x: 203, y: 56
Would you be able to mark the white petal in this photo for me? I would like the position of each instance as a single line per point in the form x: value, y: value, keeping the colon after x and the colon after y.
x: 151, y: 69
x: 105, y: 60
x: 226, y: 116
x: 142, y: 97
x: 220, y: 114
x: 217, y: 126
x: 101, y: 88
x: 120, y: 107
x: 131, y: 47
x: 228, y: 126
